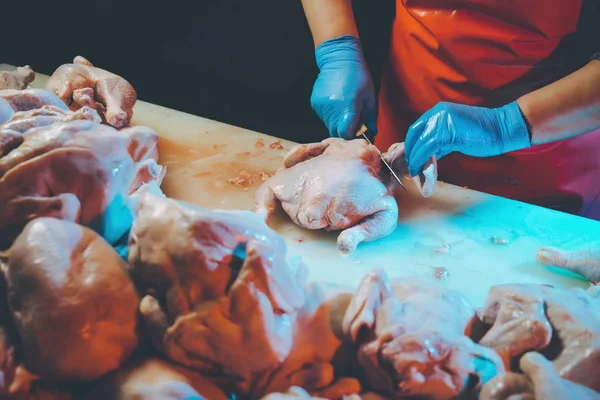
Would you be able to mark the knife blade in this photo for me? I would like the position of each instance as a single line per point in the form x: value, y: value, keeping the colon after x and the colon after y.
x: 361, y: 132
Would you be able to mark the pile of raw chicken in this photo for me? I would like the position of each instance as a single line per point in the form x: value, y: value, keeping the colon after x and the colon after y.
x: 110, y: 290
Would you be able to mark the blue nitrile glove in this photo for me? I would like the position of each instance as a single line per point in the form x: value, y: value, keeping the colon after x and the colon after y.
x: 474, y: 131
x: 343, y: 95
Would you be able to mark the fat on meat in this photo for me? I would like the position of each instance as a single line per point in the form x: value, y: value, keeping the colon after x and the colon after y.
x: 333, y: 185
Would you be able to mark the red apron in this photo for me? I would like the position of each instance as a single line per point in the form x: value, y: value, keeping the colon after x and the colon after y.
x: 489, y: 52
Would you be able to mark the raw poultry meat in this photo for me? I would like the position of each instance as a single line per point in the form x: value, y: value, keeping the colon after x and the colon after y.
x: 11, y: 133
x: 584, y: 262
x: 18, y: 79
x: 425, y: 180
x: 182, y: 255
x: 539, y: 382
x: 79, y: 171
x: 247, y: 319
x: 81, y: 84
x: 148, y: 378
x: 412, y: 338
x: 30, y: 99
x: 6, y: 110
x: 566, y: 322
x: 72, y: 301
x: 333, y: 185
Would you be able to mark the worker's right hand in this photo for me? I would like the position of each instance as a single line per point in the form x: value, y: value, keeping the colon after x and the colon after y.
x: 343, y: 95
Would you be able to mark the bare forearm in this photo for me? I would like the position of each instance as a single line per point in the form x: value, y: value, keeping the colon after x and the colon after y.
x: 566, y: 108
x: 329, y: 19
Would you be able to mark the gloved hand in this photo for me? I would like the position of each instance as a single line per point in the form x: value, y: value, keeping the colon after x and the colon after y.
x: 343, y: 95
x: 475, y: 131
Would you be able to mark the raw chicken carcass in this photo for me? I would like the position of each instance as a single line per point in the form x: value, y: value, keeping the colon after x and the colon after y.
x: 81, y: 84
x: 584, y: 262
x: 154, y: 379
x: 527, y: 317
x: 72, y: 301
x: 242, y: 317
x: 30, y: 99
x: 201, y: 313
x: 425, y: 180
x: 333, y: 185
x: 79, y: 171
x: 18, y: 79
x: 539, y: 382
x: 412, y: 338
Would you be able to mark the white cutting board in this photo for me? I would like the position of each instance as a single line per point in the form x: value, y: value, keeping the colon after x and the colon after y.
x: 201, y: 155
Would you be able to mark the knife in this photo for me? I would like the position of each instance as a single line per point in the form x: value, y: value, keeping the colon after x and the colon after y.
x: 361, y: 132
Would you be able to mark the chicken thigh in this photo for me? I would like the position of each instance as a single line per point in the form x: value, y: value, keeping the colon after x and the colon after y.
x: 30, y: 99
x: 583, y: 262
x: 527, y: 317
x: 81, y: 84
x: 412, y: 338
x: 18, y: 79
x: 72, y: 301
x: 78, y: 171
x: 333, y: 185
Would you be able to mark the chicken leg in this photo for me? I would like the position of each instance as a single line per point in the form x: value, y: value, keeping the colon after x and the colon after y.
x: 585, y: 262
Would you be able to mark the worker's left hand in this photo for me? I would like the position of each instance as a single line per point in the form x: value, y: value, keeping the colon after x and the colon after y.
x: 475, y: 131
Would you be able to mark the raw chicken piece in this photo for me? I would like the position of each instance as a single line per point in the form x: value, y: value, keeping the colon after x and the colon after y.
x: 78, y: 171
x: 30, y: 99
x: 154, y: 379
x: 527, y: 317
x: 333, y: 185
x: 425, y: 181
x: 412, y: 338
x: 11, y: 133
x: 18, y: 79
x: 6, y: 110
x: 81, y: 84
x: 242, y: 317
x: 584, y: 262
x: 540, y: 382
x: 72, y: 301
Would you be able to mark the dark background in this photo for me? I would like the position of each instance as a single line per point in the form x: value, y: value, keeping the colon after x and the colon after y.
x: 242, y: 62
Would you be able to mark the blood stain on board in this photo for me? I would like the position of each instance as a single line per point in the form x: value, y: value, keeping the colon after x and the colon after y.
x: 276, y: 145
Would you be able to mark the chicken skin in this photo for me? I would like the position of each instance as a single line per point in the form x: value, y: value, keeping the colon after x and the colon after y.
x: 79, y: 171
x: 583, y: 262
x: 72, y: 301
x: 527, y: 317
x: 31, y: 99
x: 333, y: 185
x: 539, y: 381
x: 81, y: 84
